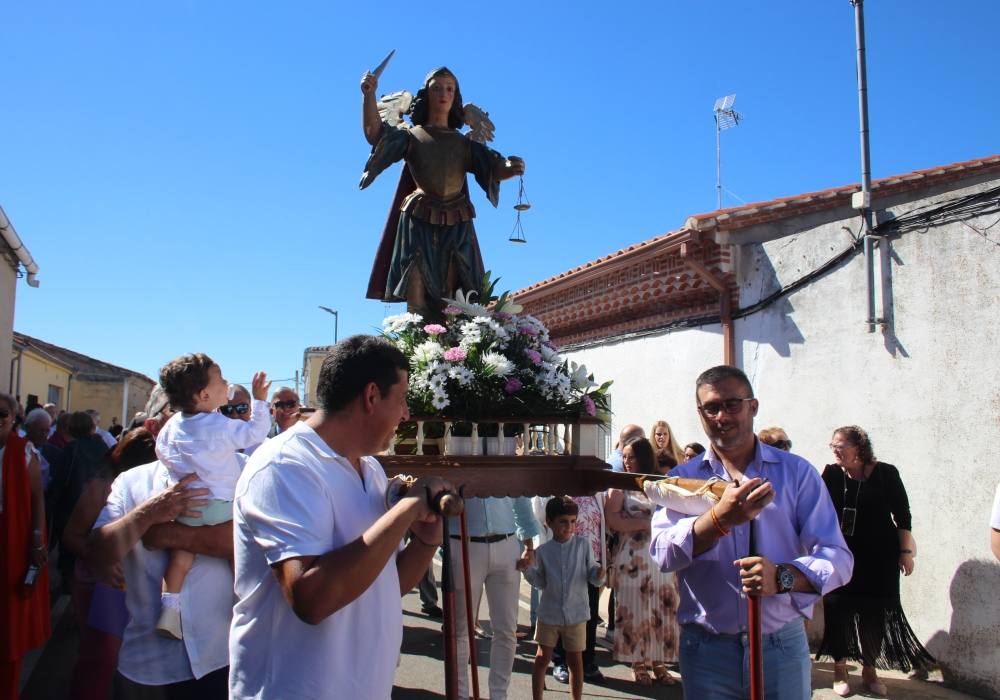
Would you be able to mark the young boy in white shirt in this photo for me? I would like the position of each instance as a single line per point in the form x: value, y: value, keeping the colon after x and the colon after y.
x: 199, y: 440
x: 563, y: 567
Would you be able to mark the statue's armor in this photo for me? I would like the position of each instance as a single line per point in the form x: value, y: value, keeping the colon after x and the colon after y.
x: 438, y: 159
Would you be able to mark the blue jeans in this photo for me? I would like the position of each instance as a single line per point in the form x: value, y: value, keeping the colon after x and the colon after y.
x: 717, y: 666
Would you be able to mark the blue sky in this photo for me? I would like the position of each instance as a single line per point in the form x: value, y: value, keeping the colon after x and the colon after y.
x: 185, y: 173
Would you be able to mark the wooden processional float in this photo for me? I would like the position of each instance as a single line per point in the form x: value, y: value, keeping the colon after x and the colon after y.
x: 558, y: 457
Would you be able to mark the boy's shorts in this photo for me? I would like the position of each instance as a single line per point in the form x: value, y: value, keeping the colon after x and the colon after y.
x: 574, y: 637
x: 212, y: 513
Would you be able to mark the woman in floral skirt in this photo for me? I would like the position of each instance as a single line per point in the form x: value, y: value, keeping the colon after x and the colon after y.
x: 646, y: 631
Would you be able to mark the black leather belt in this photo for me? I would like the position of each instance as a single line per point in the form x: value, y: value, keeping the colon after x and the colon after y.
x: 489, y: 539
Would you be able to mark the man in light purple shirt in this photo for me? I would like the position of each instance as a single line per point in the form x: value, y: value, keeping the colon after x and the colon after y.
x: 800, y: 552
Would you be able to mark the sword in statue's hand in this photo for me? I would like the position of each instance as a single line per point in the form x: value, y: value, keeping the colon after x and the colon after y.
x: 381, y: 67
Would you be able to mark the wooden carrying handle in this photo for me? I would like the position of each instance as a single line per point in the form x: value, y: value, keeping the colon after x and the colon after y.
x: 446, y: 503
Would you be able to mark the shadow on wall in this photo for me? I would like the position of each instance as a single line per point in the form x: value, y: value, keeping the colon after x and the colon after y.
x: 969, y: 652
x: 888, y: 258
x: 773, y: 324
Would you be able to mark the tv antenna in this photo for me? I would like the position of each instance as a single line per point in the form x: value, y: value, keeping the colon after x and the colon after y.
x: 725, y: 118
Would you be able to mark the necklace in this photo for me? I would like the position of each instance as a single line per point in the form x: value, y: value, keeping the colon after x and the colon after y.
x: 857, y: 494
x: 849, y: 515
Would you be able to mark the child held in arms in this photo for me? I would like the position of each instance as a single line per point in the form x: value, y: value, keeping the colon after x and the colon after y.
x: 201, y: 441
x: 563, y: 567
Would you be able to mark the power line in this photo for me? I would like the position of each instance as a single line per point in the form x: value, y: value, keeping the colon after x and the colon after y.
x: 920, y: 219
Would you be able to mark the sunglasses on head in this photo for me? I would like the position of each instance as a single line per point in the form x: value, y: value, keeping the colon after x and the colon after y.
x: 229, y: 410
x: 782, y: 444
x: 287, y: 403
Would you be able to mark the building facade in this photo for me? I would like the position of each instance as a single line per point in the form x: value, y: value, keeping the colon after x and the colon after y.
x: 312, y: 360
x: 779, y: 289
x: 45, y: 373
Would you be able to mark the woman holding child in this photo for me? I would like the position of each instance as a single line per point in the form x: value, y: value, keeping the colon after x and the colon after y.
x: 646, y: 632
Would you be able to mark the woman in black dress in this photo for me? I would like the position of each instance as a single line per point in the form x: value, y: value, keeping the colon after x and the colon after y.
x: 864, y: 619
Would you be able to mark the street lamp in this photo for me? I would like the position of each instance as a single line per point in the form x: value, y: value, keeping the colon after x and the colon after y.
x: 336, y: 319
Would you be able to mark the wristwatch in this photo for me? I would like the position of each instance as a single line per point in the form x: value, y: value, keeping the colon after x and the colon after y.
x: 786, y: 579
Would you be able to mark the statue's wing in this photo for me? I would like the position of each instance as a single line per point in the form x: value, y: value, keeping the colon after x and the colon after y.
x: 393, y: 106
x: 479, y: 122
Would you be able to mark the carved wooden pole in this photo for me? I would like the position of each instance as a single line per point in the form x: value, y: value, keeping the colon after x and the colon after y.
x: 448, y: 598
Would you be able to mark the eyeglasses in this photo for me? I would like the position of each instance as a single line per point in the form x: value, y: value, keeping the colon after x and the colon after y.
x: 238, y: 408
x: 4, y: 414
x: 730, y: 406
x: 782, y: 444
x: 288, y: 403
x: 840, y: 445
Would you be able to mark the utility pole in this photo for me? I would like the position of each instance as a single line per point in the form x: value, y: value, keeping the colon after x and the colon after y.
x: 864, y: 202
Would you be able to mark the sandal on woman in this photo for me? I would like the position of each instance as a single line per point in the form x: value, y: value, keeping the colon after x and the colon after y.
x: 840, y: 685
x: 663, y: 675
x: 640, y: 674
x: 873, y: 685
x: 877, y: 688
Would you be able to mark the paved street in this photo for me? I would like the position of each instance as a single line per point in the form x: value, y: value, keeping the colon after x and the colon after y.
x: 420, y: 674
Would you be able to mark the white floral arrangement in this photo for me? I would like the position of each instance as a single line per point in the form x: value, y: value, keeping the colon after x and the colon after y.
x: 487, y: 361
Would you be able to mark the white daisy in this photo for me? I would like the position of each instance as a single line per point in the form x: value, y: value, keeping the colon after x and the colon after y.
x: 499, y: 364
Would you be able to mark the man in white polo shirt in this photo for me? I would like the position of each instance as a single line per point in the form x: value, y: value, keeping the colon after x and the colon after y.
x: 319, y: 563
x: 135, y: 529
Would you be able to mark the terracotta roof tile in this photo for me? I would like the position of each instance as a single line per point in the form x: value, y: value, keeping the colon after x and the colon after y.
x: 779, y: 208
x: 78, y: 362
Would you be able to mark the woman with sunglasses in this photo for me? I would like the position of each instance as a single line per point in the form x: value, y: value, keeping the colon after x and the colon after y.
x: 24, y: 586
x: 692, y: 450
x: 775, y: 437
x: 864, y: 619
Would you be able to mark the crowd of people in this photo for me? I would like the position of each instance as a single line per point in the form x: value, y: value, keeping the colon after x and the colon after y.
x: 215, y: 494
x: 60, y: 481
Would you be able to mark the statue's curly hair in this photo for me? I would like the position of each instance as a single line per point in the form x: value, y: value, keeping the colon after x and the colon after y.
x: 419, y: 110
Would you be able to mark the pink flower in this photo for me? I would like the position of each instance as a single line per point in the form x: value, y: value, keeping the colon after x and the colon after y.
x: 452, y: 310
x: 502, y: 315
x: 527, y: 330
x: 589, y: 406
x: 513, y: 385
x: 455, y: 354
x: 435, y: 329
x: 534, y: 356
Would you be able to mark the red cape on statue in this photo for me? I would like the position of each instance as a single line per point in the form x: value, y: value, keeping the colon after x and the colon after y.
x: 383, y: 257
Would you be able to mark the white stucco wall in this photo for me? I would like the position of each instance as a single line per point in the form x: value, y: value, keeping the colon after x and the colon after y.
x: 930, y: 398
x: 931, y: 407
x: 654, y: 378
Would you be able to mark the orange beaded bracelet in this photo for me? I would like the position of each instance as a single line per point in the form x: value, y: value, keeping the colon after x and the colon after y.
x: 718, y: 526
